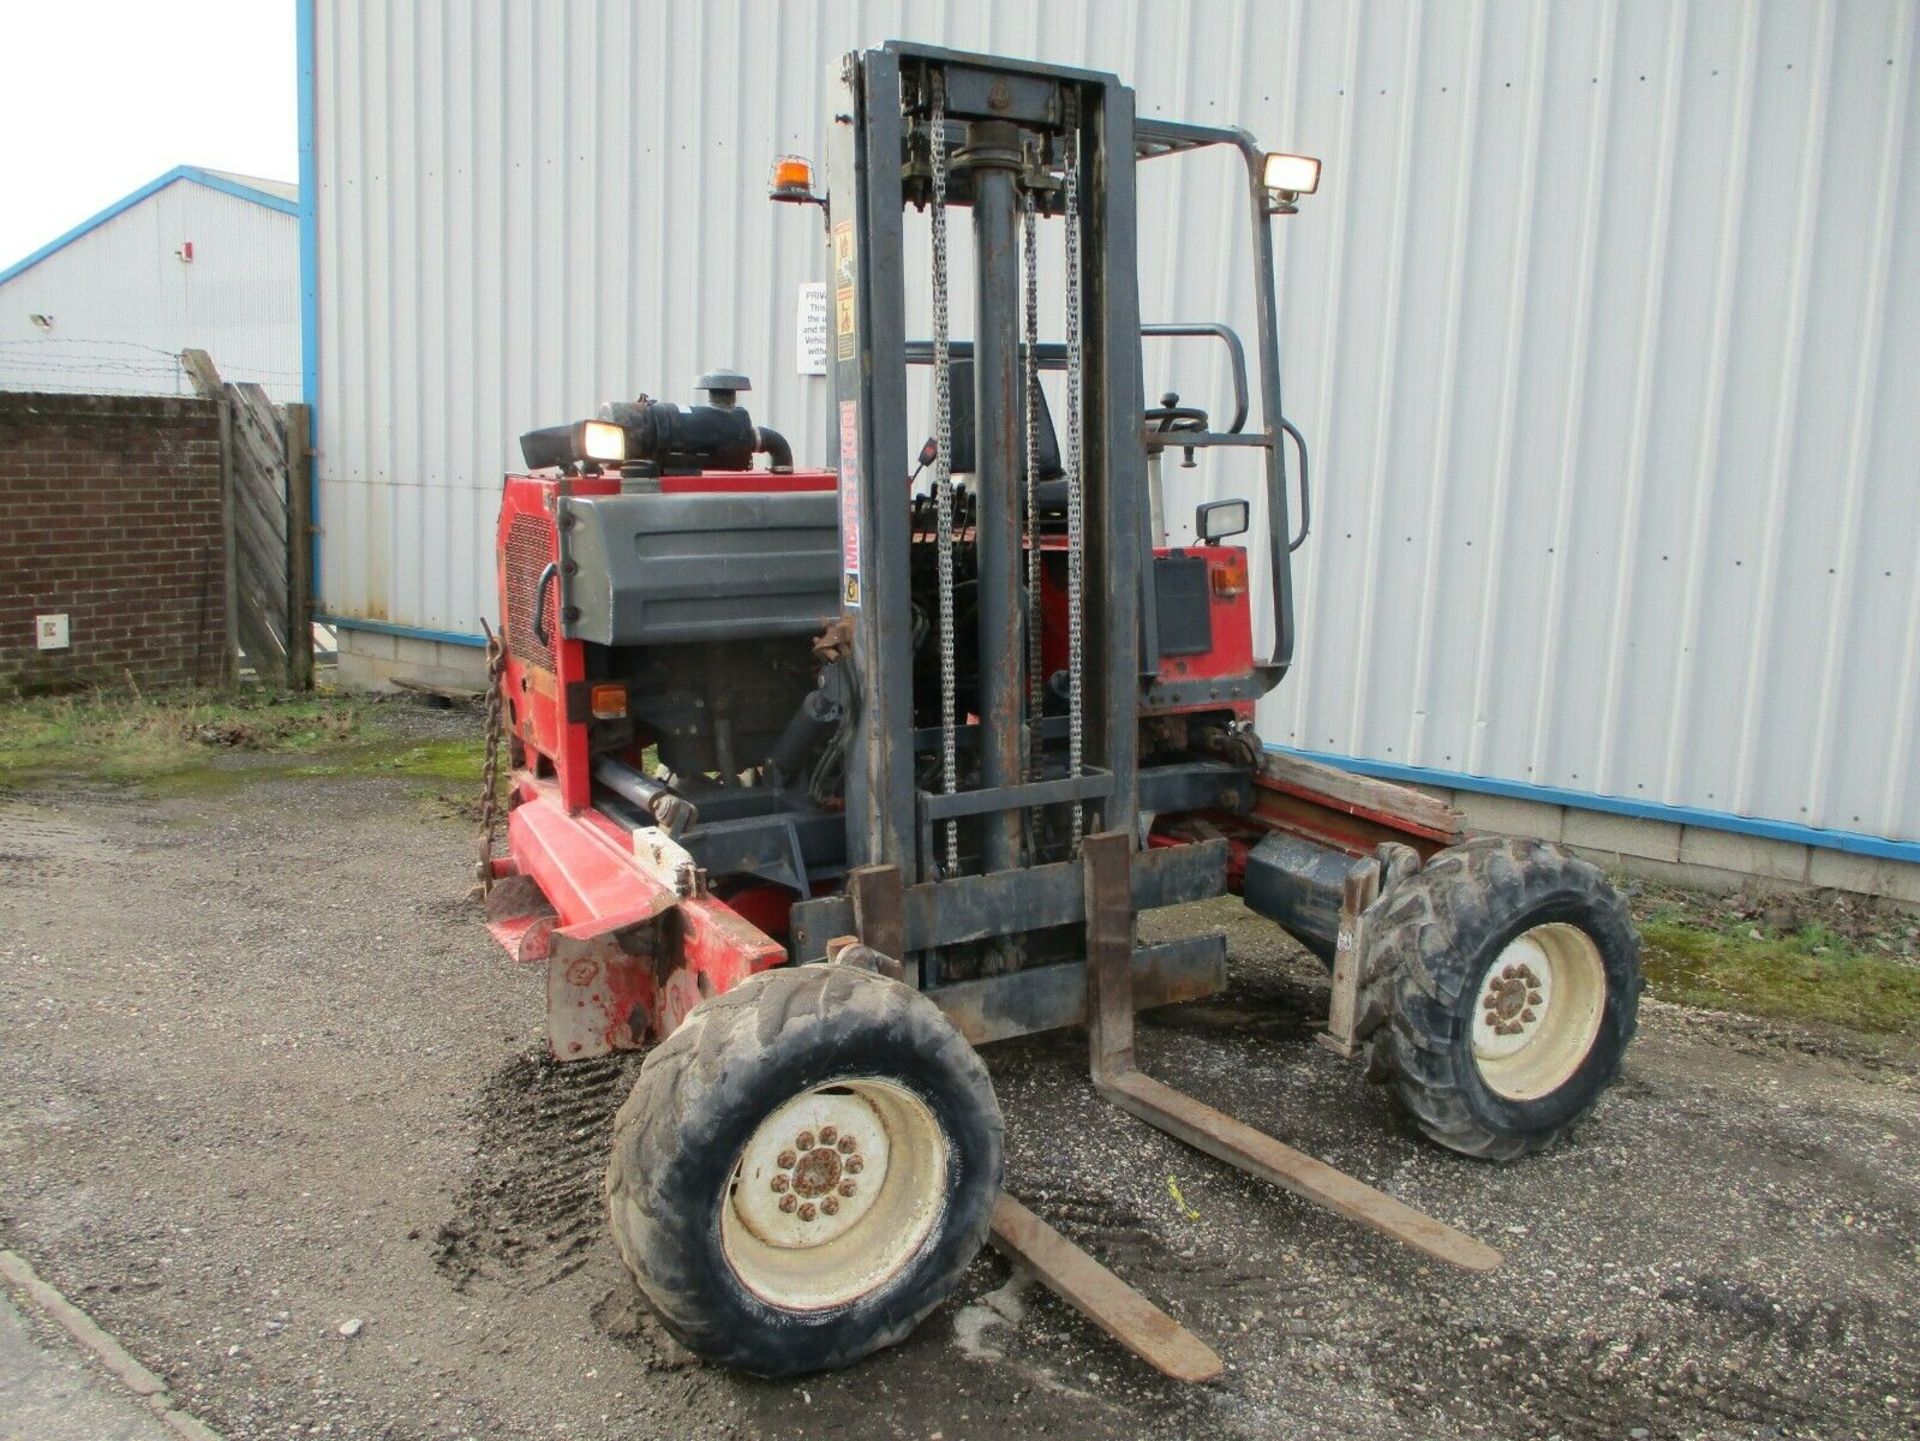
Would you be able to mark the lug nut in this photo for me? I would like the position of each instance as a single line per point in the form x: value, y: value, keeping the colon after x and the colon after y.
x: 1509, y: 973
x: 828, y: 1135
x: 1534, y: 998
x: 847, y: 1188
x: 789, y: 1201
x: 1526, y: 1016
x: 854, y: 1166
x: 831, y: 1205
x: 804, y: 1140
x: 807, y: 1213
x: 787, y: 1159
x: 846, y: 1145
x: 779, y: 1183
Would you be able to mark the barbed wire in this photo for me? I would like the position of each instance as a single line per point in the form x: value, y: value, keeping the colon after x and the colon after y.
x: 52, y: 362
x: 53, y: 340
x: 150, y: 354
x: 85, y: 364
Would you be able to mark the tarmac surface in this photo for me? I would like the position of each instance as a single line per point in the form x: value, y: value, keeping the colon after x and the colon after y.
x: 267, y: 1077
x: 48, y: 1392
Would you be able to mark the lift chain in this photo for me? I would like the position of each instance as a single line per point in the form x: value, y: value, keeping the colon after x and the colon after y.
x: 1036, y: 681
x: 943, y: 458
x: 1076, y: 485
x: 490, y: 769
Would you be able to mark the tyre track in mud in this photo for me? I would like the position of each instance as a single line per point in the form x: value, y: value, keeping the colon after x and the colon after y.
x: 531, y: 1211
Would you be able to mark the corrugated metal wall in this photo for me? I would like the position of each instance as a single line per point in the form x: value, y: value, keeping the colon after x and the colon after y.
x: 123, y: 305
x: 1604, y: 326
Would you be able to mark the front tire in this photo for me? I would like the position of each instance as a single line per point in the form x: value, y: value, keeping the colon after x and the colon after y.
x: 804, y: 1169
x: 1512, y: 971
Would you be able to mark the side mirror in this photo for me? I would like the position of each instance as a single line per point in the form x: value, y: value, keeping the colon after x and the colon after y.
x: 1218, y: 520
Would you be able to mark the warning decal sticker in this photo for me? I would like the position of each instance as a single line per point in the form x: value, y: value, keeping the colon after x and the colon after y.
x: 843, y: 289
x: 850, y: 504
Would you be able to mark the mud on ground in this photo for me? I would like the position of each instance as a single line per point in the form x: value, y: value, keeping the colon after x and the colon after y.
x: 265, y: 1075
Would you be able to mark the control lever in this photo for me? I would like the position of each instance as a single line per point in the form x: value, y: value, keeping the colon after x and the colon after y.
x: 1171, y: 415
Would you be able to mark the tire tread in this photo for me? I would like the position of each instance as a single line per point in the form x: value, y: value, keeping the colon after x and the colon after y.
x: 706, y: 1070
x: 1427, y: 952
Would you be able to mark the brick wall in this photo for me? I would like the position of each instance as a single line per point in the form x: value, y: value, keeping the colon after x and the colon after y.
x: 110, y: 514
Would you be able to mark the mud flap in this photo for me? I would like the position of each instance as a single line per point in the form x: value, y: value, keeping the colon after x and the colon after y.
x: 602, y: 990
x: 519, y: 918
x: 602, y: 986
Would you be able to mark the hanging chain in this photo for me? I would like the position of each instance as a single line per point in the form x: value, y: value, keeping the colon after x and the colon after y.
x: 1076, y: 487
x: 1036, y: 682
x: 490, y: 769
x: 943, y: 458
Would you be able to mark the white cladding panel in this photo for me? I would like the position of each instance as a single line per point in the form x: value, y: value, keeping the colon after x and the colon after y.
x: 123, y: 304
x: 1604, y: 328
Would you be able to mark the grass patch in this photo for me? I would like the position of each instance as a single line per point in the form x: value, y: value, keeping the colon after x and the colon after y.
x: 1805, y: 971
x: 127, y: 735
x: 208, y: 743
x: 459, y: 760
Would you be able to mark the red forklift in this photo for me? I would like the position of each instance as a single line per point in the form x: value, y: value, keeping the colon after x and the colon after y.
x: 822, y: 779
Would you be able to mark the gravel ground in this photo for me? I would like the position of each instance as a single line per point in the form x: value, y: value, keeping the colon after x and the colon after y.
x: 272, y: 1109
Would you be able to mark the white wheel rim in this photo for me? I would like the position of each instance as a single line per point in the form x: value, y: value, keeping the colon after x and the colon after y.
x: 1538, y: 1011
x: 834, y: 1192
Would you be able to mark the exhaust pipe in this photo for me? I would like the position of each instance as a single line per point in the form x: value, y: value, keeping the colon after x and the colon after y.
x: 772, y: 444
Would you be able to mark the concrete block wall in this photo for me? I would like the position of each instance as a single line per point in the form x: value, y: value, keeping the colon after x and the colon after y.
x: 370, y: 660
x: 1685, y: 854
x: 110, y: 514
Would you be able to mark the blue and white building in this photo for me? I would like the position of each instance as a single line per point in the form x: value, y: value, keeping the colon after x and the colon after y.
x: 196, y: 258
x: 1604, y: 327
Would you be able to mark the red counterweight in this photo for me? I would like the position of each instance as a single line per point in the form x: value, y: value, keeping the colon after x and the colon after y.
x: 631, y: 937
x: 546, y: 675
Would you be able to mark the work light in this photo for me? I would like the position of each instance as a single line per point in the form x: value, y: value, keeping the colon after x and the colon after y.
x: 602, y: 440
x: 1294, y: 174
x: 594, y: 442
x: 1287, y: 178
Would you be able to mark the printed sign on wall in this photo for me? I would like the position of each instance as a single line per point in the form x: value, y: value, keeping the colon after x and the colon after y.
x: 810, y: 329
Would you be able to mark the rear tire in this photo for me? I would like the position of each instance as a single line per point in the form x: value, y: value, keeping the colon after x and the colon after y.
x: 804, y: 1169
x: 1512, y: 972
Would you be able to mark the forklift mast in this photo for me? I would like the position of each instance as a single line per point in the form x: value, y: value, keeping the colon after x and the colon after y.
x: 931, y: 128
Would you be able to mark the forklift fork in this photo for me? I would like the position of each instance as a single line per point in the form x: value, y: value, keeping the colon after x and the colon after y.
x: 1119, y: 1310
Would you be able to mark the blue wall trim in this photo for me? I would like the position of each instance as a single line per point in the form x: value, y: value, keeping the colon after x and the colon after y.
x: 239, y: 191
x: 309, y: 268
x: 407, y: 632
x: 1850, y: 841
x: 191, y: 173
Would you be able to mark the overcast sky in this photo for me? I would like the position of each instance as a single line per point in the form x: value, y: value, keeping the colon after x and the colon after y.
x: 101, y: 96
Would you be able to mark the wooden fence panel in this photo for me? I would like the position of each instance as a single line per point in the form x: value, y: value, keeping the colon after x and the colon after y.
x: 269, y: 526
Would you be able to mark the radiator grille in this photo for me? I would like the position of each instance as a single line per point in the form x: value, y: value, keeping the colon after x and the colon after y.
x: 1182, y: 604
x: 530, y: 549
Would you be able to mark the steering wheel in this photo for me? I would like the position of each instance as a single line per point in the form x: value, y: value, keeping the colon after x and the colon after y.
x: 1170, y: 414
